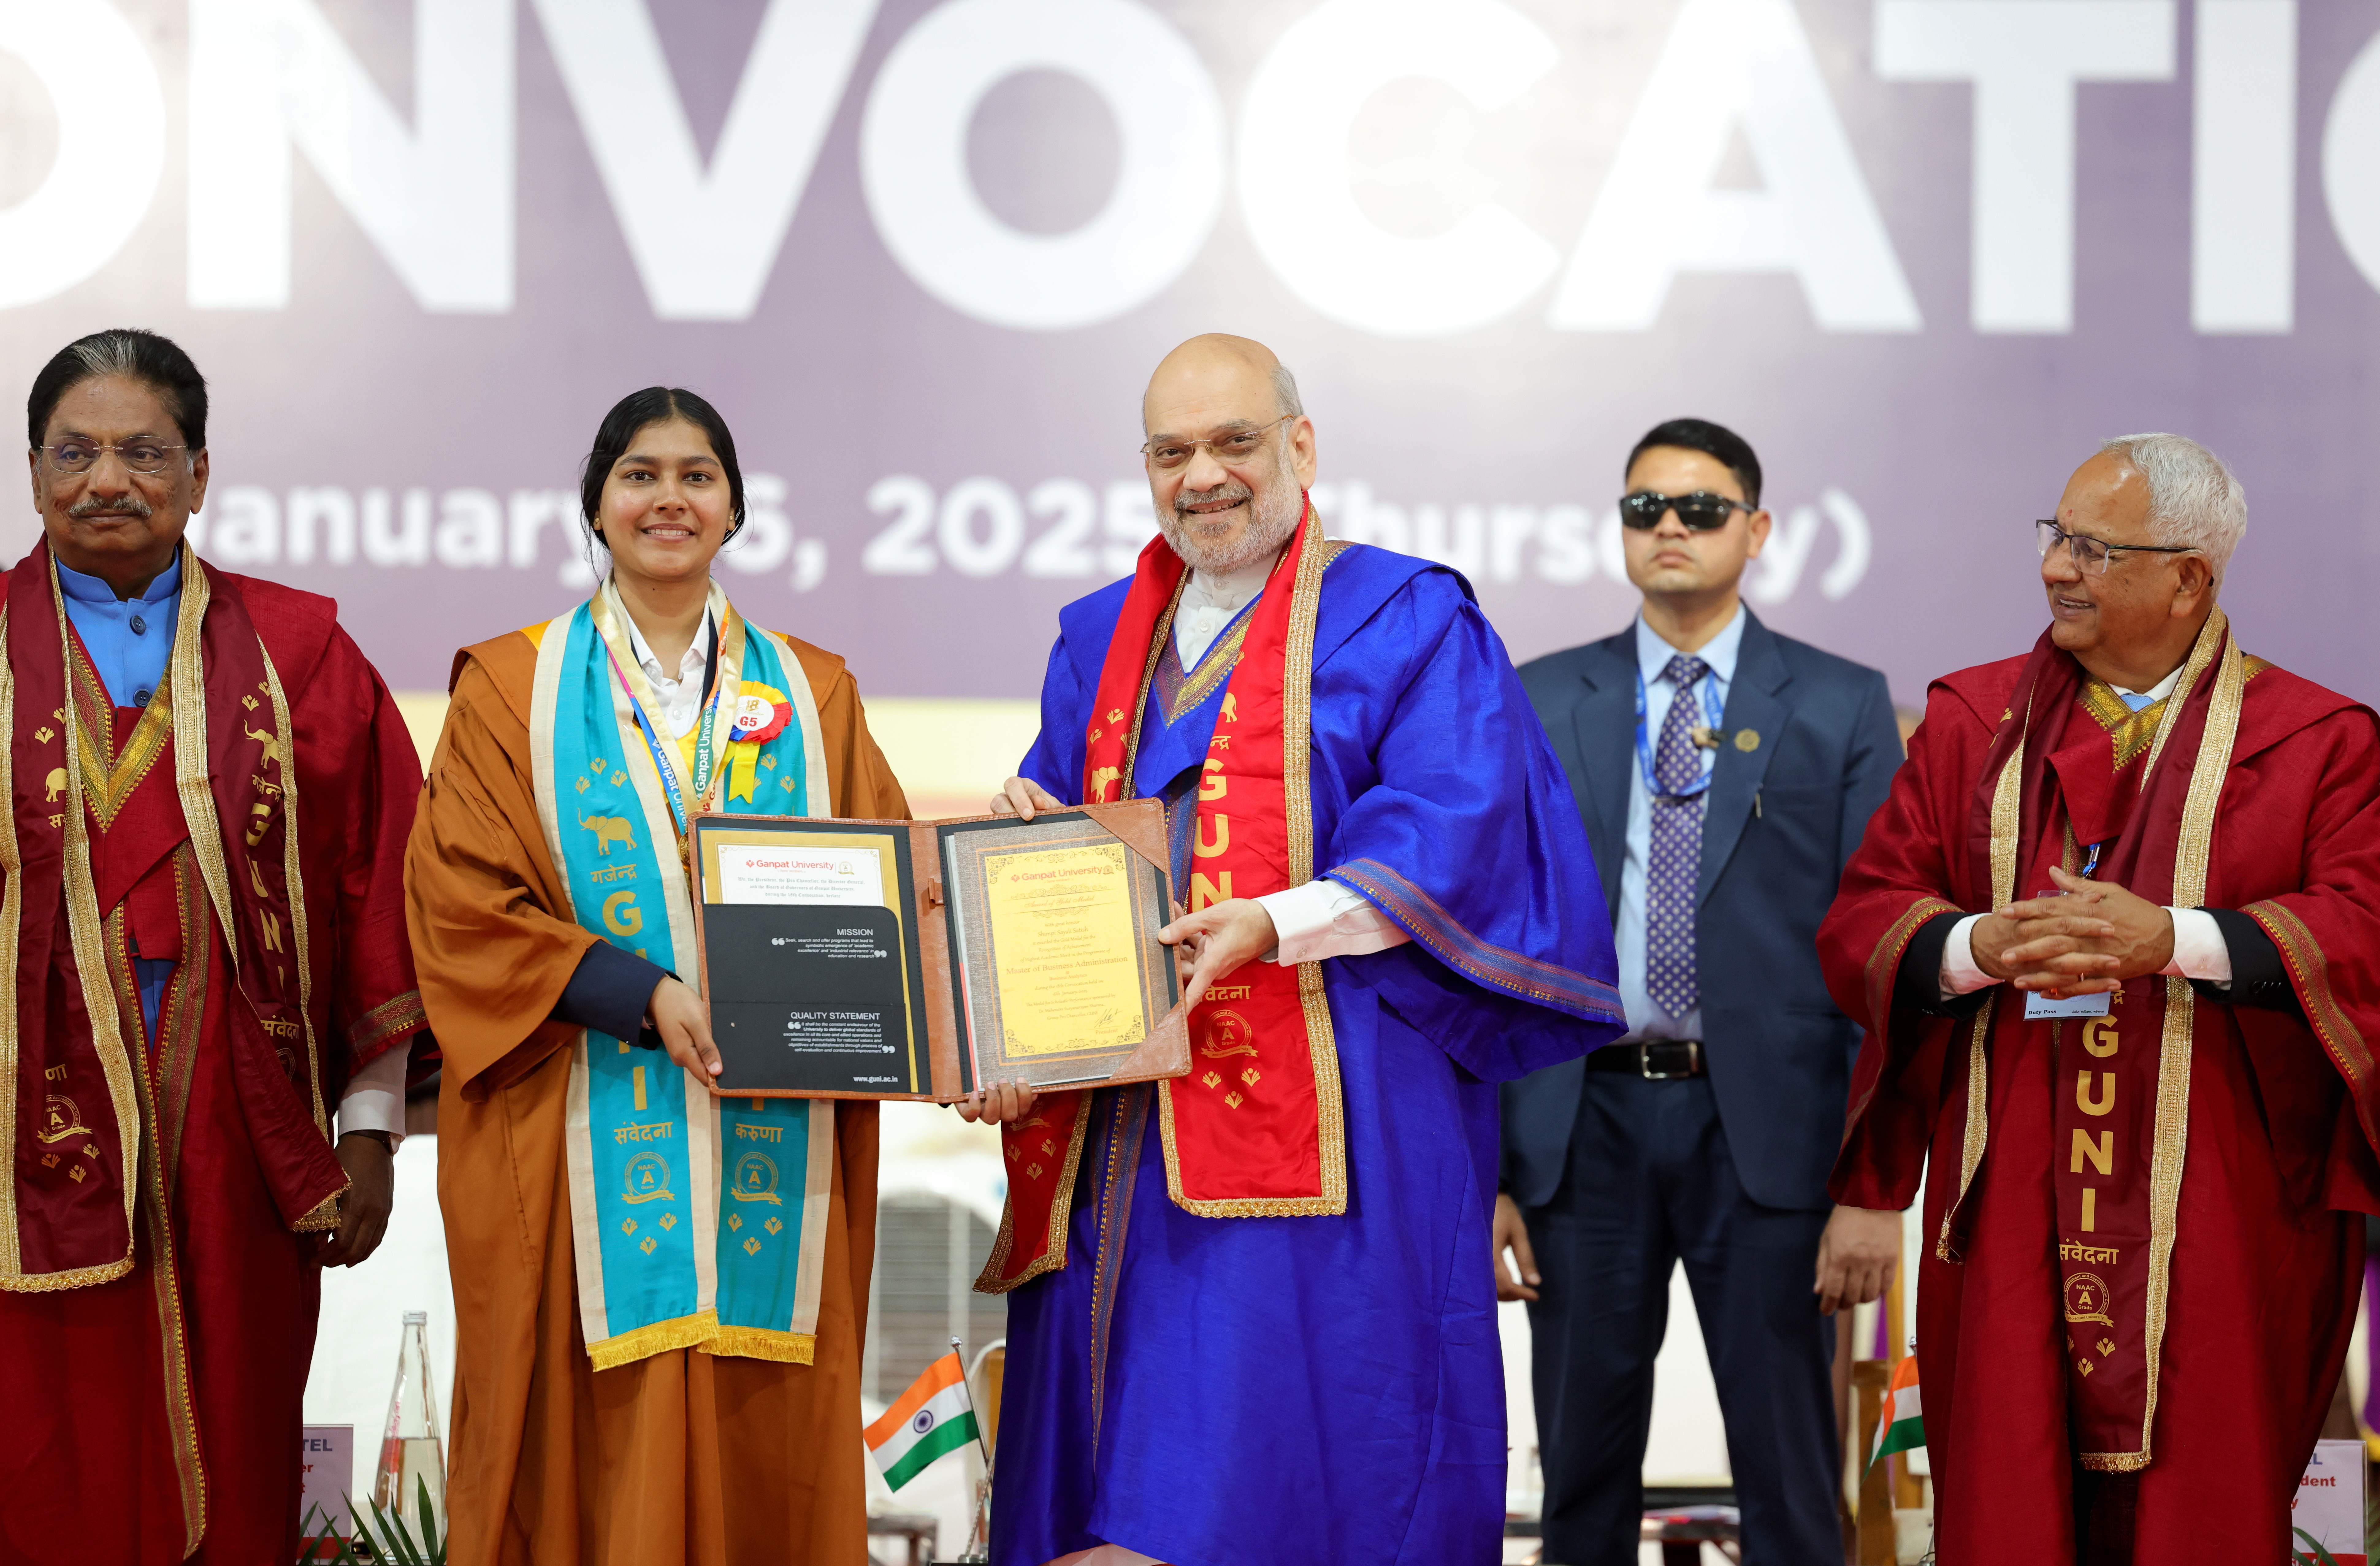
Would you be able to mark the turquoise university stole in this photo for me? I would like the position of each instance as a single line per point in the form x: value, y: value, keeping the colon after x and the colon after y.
x: 654, y: 1158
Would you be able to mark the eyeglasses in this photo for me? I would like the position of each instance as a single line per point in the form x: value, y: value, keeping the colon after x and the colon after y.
x: 2090, y: 556
x: 1702, y: 512
x: 1238, y: 447
x: 72, y: 456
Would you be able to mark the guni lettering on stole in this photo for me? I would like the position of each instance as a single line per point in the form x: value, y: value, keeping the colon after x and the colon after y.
x: 760, y: 1133
x: 2072, y: 1250
x: 632, y: 1132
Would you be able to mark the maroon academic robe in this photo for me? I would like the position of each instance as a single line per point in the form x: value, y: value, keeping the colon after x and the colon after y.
x: 2169, y: 1340
x: 164, y: 1198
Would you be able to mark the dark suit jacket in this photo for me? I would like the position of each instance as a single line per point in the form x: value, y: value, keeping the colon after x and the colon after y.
x: 1782, y: 820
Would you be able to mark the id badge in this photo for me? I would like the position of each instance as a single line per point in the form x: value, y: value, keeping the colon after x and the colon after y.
x: 2042, y: 1008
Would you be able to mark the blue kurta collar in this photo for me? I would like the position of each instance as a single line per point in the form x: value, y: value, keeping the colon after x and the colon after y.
x: 91, y: 589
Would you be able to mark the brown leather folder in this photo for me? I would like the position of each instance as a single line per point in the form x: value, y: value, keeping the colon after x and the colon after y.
x: 937, y: 1056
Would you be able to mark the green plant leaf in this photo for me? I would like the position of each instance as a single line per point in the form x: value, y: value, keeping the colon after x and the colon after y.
x: 392, y: 1542
x: 432, y: 1541
x: 319, y: 1524
x: 347, y: 1556
x: 2318, y: 1556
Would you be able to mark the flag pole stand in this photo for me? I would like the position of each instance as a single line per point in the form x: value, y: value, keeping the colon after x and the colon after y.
x: 978, y: 1545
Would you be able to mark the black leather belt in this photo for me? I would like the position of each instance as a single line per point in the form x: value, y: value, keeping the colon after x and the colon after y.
x: 1660, y: 1060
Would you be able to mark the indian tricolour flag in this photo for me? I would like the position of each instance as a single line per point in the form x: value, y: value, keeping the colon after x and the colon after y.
x: 932, y: 1417
x: 1902, y: 1422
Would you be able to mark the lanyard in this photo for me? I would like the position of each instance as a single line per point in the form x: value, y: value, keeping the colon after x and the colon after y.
x: 705, y: 760
x: 1645, y: 749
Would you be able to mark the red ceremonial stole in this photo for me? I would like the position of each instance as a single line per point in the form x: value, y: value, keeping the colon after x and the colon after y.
x: 1257, y: 1128
x: 78, y: 1111
x: 2071, y: 767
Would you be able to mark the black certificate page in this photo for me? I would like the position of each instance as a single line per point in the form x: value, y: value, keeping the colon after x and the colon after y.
x: 807, y: 999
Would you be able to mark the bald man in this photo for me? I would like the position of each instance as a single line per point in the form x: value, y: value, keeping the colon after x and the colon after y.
x: 1294, y: 1356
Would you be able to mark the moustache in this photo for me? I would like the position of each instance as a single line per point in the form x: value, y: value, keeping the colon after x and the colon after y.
x: 122, y: 505
x: 1187, y: 498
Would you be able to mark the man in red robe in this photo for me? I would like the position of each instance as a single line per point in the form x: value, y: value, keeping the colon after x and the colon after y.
x: 2113, y: 939
x: 202, y: 911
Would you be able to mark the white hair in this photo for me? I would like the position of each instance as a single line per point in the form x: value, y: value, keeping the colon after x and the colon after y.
x: 1284, y: 390
x: 2193, y: 499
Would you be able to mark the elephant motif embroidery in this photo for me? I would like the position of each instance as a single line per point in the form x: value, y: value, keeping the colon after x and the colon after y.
x: 608, y: 829
x: 267, y: 738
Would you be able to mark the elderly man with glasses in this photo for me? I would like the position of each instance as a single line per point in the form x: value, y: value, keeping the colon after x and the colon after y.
x: 2112, y: 937
x: 1252, y: 1318
x: 203, y: 934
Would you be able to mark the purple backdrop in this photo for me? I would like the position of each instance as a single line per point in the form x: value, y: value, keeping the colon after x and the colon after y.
x: 1923, y: 253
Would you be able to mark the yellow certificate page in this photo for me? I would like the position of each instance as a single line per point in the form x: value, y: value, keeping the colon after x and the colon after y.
x: 1061, y: 938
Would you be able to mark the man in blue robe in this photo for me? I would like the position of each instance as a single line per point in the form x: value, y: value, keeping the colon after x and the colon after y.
x: 1238, y: 1390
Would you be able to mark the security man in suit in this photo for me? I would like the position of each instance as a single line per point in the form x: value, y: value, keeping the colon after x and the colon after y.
x: 1725, y: 773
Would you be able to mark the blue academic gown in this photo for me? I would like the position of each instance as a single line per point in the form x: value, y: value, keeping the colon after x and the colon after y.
x: 1277, y: 1390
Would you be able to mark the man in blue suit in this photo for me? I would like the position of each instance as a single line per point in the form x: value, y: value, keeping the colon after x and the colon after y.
x: 1725, y: 774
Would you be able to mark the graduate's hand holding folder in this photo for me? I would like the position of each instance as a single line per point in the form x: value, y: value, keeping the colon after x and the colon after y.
x: 925, y: 959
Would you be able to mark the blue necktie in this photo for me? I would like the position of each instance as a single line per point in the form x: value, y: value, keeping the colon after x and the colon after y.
x: 1673, y: 872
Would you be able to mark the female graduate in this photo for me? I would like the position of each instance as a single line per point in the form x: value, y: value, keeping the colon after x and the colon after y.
x: 640, y: 1375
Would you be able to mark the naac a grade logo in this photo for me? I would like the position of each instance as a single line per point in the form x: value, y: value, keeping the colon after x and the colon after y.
x: 60, y: 1119
x: 756, y: 1180
x: 2086, y: 1299
x: 647, y: 1180
x: 1228, y: 1033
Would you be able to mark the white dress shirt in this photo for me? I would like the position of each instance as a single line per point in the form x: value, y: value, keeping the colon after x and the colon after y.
x: 375, y: 1096
x: 1209, y: 604
x: 2199, y: 951
x: 1322, y: 919
x: 681, y: 694
x: 1646, y: 1020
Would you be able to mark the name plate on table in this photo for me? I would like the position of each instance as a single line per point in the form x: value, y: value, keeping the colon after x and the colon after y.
x: 915, y: 959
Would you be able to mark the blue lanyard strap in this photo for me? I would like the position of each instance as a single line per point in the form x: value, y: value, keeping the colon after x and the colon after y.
x: 663, y: 762
x: 1644, y: 747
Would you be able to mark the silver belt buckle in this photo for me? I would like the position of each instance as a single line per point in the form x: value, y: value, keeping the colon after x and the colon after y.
x: 1644, y: 1061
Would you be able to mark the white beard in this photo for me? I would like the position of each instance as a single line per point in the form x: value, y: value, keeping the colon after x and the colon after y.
x: 1275, y: 518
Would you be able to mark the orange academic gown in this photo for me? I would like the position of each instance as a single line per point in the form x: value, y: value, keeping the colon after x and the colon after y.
x: 681, y: 1456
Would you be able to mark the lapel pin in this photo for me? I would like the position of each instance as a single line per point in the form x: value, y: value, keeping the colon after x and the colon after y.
x: 1747, y: 740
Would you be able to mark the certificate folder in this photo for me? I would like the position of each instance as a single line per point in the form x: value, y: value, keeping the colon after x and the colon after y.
x: 847, y: 959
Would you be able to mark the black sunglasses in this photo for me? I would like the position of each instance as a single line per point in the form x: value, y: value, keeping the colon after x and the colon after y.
x: 1702, y: 512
